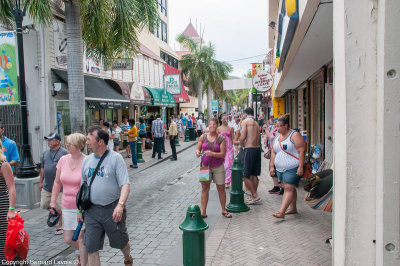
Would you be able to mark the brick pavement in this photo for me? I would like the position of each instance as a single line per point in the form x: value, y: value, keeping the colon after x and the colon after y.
x: 257, y: 238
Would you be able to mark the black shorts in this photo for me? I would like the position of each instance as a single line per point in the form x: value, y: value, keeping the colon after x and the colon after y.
x: 252, y: 162
x: 98, y: 222
x: 142, y: 135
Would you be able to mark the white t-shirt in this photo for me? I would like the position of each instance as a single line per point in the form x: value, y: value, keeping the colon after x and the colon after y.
x: 199, y: 124
x: 117, y: 132
x: 110, y: 144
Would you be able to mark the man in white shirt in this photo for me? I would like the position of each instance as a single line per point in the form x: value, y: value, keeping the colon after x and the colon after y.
x: 199, y: 128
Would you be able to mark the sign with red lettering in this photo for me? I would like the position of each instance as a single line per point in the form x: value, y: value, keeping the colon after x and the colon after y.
x: 262, y: 81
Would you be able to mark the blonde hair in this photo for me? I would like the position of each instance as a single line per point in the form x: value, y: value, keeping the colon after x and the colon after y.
x: 78, y: 140
x: 2, y: 156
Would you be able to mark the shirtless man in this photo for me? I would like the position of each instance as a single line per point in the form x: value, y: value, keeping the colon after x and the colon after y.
x: 250, y: 141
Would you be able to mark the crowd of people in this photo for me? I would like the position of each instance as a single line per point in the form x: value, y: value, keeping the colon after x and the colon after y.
x: 63, y: 171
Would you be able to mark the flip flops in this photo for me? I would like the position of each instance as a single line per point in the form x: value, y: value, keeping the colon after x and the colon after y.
x: 226, y: 215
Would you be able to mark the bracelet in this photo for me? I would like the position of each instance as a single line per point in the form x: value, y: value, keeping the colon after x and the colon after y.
x: 79, y: 211
x: 11, y: 208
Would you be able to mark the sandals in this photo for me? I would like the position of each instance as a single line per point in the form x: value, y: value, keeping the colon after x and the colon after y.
x: 291, y: 212
x: 226, y: 215
x: 129, y: 261
x: 204, y: 216
x: 252, y: 201
x: 59, y: 231
x: 279, y: 215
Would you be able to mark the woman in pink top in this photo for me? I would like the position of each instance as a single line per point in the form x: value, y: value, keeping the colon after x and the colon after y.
x: 213, y: 147
x: 228, y: 133
x: 68, y: 177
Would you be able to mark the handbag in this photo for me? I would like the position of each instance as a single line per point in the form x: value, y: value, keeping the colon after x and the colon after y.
x: 306, y: 168
x: 267, y: 155
x: 83, y: 197
x: 204, y: 174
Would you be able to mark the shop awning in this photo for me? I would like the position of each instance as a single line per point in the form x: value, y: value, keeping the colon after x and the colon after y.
x: 133, y: 91
x: 160, y: 97
x: 98, y: 93
x: 182, y: 96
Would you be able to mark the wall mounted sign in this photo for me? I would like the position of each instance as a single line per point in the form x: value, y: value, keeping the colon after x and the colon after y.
x: 8, y: 69
x: 122, y: 64
x: 262, y: 81
x: 172, y: 83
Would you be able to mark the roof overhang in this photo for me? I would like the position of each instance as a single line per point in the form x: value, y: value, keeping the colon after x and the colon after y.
x: 311, y: 48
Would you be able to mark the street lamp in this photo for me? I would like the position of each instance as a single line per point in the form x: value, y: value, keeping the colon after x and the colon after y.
x: 26, y: 168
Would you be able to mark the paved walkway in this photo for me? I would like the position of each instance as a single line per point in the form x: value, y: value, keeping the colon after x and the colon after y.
x: 160, y: 194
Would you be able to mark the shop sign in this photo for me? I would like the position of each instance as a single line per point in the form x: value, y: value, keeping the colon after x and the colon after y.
x: 172, y: 83
x: 262, y: 81
x: 137, y: 93
x: 8, y: 69
x: 122, y: 64
x: 91, y: 66
x: 278, y: 107
x: 300, y: 114
x: 106, y: 105
x: 214, y: 105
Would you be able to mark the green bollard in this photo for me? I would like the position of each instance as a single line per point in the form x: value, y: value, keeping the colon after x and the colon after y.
x: 177, y: 141
x: 139, y: 153
x: 236, y: 203
x: 194, y: 247
x: 186, y: 135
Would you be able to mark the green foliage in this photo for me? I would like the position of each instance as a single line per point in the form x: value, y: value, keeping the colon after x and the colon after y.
x: 110, y: 28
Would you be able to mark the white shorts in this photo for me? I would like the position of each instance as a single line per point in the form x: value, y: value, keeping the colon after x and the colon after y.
x: 69, y: 219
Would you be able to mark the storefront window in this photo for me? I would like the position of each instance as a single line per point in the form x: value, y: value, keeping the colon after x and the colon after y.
x: 63, y: 118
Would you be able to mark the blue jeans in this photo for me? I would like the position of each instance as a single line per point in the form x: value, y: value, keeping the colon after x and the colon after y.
x: 132, y: 145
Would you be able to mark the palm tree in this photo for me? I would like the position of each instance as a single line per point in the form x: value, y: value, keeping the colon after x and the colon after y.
x: 196, y: 66
x: 109, y: 29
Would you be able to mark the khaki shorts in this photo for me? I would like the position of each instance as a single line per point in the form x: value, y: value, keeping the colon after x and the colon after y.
x: 45, y: 198
x: 217, y: 174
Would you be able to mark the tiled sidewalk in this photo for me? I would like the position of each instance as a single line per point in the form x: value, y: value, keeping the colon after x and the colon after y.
x: 257, y: 238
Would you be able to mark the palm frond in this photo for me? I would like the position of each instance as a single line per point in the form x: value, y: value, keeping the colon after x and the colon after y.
x: 40, y: 10
x: 187, y: 41
x: 6, y: 16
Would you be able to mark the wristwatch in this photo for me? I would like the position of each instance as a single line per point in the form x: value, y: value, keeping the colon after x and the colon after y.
x: 121, y: 202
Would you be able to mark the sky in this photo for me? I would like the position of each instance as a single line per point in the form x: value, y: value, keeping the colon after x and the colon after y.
x: 237, y: 28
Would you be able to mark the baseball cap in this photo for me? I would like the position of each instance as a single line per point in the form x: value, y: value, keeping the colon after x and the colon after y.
x: 53, y: 136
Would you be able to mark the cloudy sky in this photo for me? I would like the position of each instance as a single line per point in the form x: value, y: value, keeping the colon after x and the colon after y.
x: 237, y: 28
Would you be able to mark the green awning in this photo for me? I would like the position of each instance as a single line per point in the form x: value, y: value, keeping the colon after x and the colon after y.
x: 160, y: 97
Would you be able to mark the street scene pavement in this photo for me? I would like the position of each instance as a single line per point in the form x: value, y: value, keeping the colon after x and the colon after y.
x: 160, y: 196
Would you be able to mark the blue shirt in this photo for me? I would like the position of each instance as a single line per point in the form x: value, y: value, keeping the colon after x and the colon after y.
x: 184, y: 121
x: 190, y: 123
x: 10, y: 150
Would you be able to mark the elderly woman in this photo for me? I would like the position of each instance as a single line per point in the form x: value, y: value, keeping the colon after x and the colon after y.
x: 7, y: 199
x: 287, y: 156
x: 68, y: 176
x: 213, y: 147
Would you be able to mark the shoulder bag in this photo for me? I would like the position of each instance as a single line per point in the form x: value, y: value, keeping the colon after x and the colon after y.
x: 306, y: 167
x: 204, y: 175
x: 83, y: 197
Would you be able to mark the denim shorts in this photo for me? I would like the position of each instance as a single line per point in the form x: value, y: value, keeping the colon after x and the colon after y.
x: 289, y: 176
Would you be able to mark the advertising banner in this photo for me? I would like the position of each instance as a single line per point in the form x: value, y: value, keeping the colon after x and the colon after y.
x: 214, y: 105
x: 278, y: 107
x: 8, y: 69
x: 172, y: 83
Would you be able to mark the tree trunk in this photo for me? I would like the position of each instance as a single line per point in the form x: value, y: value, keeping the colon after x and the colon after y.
x: 200, y: 96
x: 209, y: 104
x: 75, y: 66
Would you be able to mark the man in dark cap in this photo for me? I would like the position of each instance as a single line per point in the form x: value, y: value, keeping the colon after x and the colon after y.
x: 48, y: 171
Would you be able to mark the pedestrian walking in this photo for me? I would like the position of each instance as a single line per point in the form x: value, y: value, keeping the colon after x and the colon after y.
x: 132, y: 140
x: 227, y: 132
x: 213, y: 147
x: 157, y: 130
x: 173, y: 133
x: 180, y: 127
x: 117, y: 138
x: 287, y: 157
x: 107, y: 127
x: 68, y: 177
x: 47, y: 174
x: 199, y: 126
x: 125, y: 128
x: 7, y: 199
x: 108, y: 195
x: 250, y: 141
x: 142, y: 133
x: 10, y: 149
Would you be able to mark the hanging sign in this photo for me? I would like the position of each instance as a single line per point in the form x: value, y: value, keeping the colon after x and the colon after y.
x: 214, y: 105
x: 122, y: 64
x: 278, y: 107
x: 262, y: 81
x: 172, y: 83
x: 8, y: 69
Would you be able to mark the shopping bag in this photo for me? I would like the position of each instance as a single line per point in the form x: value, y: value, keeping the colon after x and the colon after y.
x: 17, y: 239
x: 204, y: 174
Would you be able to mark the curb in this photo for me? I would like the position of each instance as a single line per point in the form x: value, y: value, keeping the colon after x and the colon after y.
x: 155, y: 162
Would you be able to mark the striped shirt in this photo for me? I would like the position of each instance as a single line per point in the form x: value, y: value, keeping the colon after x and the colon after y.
x: 157, y: 128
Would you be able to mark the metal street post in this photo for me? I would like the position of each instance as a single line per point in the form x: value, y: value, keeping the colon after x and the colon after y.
x: 26, y: 168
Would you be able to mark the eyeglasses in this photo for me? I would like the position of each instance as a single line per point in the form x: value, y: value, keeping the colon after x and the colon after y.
x: 69, y: 145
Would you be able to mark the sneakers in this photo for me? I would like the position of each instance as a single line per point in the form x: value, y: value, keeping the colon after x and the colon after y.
x: 275, y: 190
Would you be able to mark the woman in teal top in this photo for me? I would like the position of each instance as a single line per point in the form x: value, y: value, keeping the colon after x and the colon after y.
x: 142, y: 132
